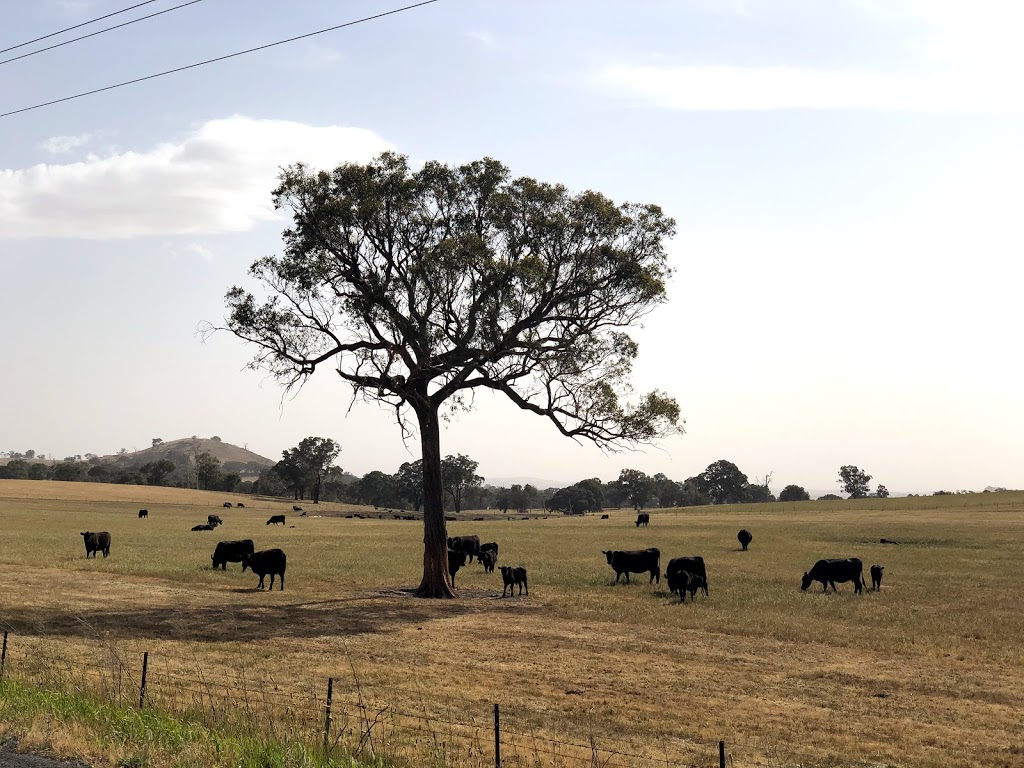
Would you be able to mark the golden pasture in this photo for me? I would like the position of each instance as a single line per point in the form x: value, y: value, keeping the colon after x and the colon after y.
x: 928, y: 672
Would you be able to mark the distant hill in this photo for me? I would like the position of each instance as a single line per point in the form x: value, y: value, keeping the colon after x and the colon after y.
x: 191, y: 446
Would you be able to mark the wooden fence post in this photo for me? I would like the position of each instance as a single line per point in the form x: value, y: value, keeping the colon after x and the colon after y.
x: 497, y: 737
x: 3, y: 657
x: 721, y: 754
x: 327, y: 714
x: 142, y: 685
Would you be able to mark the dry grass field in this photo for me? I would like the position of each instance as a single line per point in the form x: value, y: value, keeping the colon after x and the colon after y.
x: 928, y: 672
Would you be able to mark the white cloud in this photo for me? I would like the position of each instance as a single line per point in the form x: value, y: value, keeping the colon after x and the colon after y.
x: 724, y: 88
x: 59, y: 145
x: 218, y: 179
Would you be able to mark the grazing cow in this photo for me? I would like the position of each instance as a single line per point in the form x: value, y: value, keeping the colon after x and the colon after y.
x: 468, y: 544
x: 490, y: 545
x: 510, y: 577
x: 887, y: 541
x: 604, y: 517
x: 227, y: 505
x: 488, y: 558
x: 143, y: 513
x: 684, y: 581
x: 231, y: 552
x: 745, y: 537
x: 214, y: 520
x: 296, y: 508
x: 98, y: 541
x: 876, y: 577
x: 643, y: 519
x: 275, y: 519
x: 240, y: 505
x: 206, y: 527
x: 692, y: 565
x: 456, y: 560
x: 302, y: 514
x: 635, y: 561
x: 828, y: 572
x: 272, y: 561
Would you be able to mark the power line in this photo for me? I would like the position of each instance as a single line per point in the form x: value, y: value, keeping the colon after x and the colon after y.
x: 219, y: 58
x: 83, y: 24
x: 99, y: 32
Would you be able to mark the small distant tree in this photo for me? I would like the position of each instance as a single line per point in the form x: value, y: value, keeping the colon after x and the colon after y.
x: 854, y: 481
x: 639, y: 487
x: 882, y: 492
x: 303, y: 468
x: 156, y: 472
x: 30, y: 454
x: 409, y: 480
x: 794, y: 493
x: 691, y: 496
x: 830, y: 497
x: 208, y: 472
x: 723, y: 483
x: 69, y: 471
x: 457, y: 474
x: 38, y: 472
x: 16, y: 469
x: 503, y: 499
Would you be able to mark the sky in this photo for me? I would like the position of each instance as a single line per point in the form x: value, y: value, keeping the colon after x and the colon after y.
x: 845, y: 174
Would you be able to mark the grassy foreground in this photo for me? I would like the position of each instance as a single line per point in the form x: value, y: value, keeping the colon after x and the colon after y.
x: 928, y: 672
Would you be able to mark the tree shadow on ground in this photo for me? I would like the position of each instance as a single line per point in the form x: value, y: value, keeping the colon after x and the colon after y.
x: 240, y: 621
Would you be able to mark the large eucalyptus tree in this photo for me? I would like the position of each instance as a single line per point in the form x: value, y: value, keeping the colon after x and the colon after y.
x: 421, y: 287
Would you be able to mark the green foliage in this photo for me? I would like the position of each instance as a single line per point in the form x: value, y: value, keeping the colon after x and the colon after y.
x: 458, y: 473
x: 638, y: 487
x: 794, y: 493
x: 409, y: 480
x: 303, y: 468
x: 882, y: 492
x: 584, y: 496
x: 854, y: 481
x: 723, y: 483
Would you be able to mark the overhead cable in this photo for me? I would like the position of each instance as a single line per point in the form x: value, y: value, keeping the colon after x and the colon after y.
x: 83, y: 24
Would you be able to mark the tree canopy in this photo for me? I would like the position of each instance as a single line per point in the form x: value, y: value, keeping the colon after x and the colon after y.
x: 855, y: 481
x: 423, y: 287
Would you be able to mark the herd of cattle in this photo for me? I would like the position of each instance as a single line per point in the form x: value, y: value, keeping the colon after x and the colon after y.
x: 683, y: 574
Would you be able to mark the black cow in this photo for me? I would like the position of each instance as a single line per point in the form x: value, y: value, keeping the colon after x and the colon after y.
x: 692, y: 565
x: 272, y: 561
x: 491, y: 546
x: 231, y: 552
x: 296, y: 508
x: 510, y: 577
x: 227, y: 505
x: 745, y: 537
x: 828, y: 572
x: 98, y: 541
x: 206, y: 527
x: 876, y: 577
x: 240, y: 505
x: 684, y: 581
x: 214, y: 520
x: 643, y: 519
x: 468, y: 544
x: 275, y: 519
x: 143, y: 513
x: 604, y: 517
x: 635, y: 561
x: 488, y: 558
x: 887, y: 541
x: 456, y: 560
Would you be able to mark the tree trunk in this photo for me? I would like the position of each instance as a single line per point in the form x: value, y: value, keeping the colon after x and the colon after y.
x: 436, y: 580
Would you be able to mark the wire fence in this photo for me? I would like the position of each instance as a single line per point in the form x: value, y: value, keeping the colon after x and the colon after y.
x: 338, y: 722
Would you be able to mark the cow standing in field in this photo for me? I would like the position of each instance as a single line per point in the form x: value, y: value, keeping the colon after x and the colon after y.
x: 684, y: 581
x: 231, y: 552
x: 240, y: 505
x: 143, y: 513
x: 488, y: 559
x: 876, y: 577
x: 510, y: 577
x: 214, y: 520
x: 643, y: 519
x: 227, y: 505
x: 828, y: 572
x: 96, y: 542
x: 272, y: 561
x: 456, y: 560
x: 468, y: 544
x: 275, y: 519
x: 692, y: 565
x: 635, y: 561
x: 745, y: 537
x: 490, y: 546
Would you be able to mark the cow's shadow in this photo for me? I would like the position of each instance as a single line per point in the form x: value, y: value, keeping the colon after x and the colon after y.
x: 260, y: 618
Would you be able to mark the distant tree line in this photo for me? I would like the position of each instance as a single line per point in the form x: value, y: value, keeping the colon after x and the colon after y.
x: 307, y: 472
